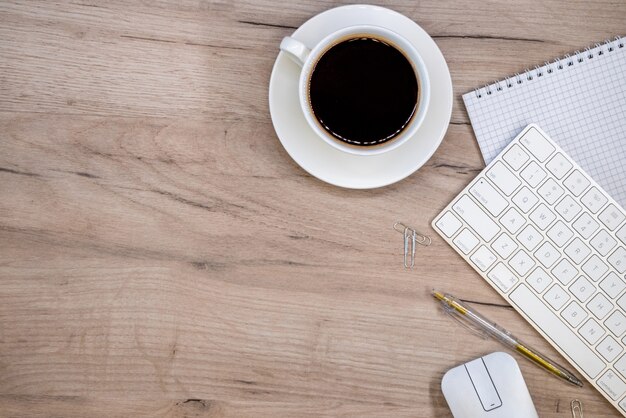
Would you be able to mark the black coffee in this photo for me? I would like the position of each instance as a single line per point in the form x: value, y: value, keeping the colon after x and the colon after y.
x: 363, y: 91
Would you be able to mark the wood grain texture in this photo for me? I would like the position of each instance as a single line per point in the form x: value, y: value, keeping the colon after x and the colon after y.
x: 161, y: 254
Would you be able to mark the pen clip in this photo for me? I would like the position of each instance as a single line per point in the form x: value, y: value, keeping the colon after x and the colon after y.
x: 467, y: 325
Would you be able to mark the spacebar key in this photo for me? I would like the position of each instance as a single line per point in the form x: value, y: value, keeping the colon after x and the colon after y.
x: 552, y: 326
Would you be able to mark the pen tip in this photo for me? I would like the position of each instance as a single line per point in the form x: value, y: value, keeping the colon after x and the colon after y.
x: 437, y: 295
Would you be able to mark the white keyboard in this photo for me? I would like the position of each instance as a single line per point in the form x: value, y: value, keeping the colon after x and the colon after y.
x: 539, y: 230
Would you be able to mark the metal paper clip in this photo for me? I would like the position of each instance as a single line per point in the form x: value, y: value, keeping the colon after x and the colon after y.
x: 577, y: 409
x: 412, y: 238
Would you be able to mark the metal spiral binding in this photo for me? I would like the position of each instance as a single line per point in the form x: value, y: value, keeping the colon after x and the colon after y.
x: 550, y: 67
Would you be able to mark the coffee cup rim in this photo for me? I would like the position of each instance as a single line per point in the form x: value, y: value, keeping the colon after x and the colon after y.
x: 400, y: 43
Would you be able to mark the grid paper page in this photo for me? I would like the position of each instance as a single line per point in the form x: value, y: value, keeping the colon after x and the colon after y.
x: 580, y: 101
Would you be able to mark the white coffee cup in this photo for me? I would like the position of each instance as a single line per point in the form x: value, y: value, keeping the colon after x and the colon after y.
x: 307, y: 59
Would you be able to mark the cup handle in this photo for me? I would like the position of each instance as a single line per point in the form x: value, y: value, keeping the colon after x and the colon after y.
x: 296, y: 50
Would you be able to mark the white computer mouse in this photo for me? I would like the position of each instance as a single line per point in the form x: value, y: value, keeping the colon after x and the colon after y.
x: 488, y: 387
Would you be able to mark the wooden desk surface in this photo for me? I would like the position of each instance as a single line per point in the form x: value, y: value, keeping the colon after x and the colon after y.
x: 161, y: 254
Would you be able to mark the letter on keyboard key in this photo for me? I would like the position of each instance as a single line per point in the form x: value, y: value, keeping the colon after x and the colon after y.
x: 448, y: 224
x: 591, y: 331
x: 503, y: 178
x: 613, y: 286
x: 577, y: 250
x: 560, y: 233
x: 502, y: 277
x: 521, y: 263
x: 564, y: 271
x: 537, y: 144
x: 525, y: 199
x: 616, y: 323
x: 488, y: 197
x: 512, y: 220
x: 612, y: 385
x: 478, y: 220
x: 595, y: 268
x: 557, y: 331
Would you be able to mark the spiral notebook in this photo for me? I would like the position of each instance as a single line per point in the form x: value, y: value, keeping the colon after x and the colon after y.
x: 578, y: 99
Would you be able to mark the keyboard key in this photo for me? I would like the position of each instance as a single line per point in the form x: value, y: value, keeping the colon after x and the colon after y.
x: 512, y: 220
x: 547, y: 254
x: 612, y: 217
x: 559, y: 165
x: 568, y: 208
x: 603, y: 242
x: 487, y: 196
x: 577, y: 250
x: 556, y: 297
x: 613, y: 286
x: 503, y: 178
x: 616, y: 323
x: 533, y: 174
x: 448, y: 224
x: 478, y: 220
x: 564, y: 271
x: 585, y: 225
x: 600, y: 306
x: 612, y: 385
x: 502, y: 277
x: 525, y: 199
x: 539, y: 280
x: 621, y: 234
x: 466, y: 241
x: 594, y: 199
x: 538, y: 146
x: 515, y: 157
x: 574, y: 314
x: 622, y: 302
x: 622, y: 404
x: 542, y: 216
x: 595, y: 268
x: 591, y: 331
x: 521, y: 263
x: 530, y: 237
x: 620, y: 366
x: 504, y: 246
x: 618, y: 259
x: 556, y: 329
x: 609, y: 349
x: 550, y: 191
x: 560, y: 233
x: 483, y: 258
x: 582, y: 289
x: 576, y: 183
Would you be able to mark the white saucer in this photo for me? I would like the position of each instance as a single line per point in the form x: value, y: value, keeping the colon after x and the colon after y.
x: 337, y: 167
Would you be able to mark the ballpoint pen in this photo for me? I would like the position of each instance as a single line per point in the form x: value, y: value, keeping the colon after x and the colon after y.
x: 456, y: 307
